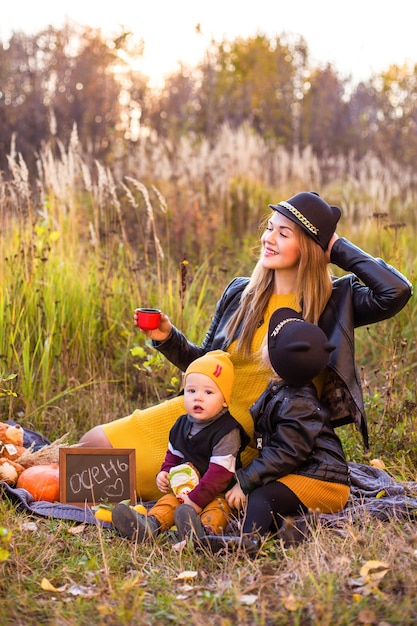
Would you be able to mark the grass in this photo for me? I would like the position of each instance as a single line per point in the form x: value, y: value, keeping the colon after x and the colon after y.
x: 79, y: 250
x: 86, y: 576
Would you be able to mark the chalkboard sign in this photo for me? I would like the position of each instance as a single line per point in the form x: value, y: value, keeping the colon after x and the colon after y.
x: 94, y: 475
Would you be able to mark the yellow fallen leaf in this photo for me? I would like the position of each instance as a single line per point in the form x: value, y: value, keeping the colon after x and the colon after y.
x: 47, y: 586
x: 291, y: 603
x: 4, y: 554
x: 179, y: 546
x: 377, y: 463
x: 374, y: 570
x: 186, y: 575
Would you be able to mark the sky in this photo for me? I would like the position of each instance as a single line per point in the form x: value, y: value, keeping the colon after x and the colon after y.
x: 359, y: 38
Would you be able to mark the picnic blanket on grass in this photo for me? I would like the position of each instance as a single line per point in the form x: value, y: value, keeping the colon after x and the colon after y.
x: 24, y: 501
x: 373, y: 492
x: 376, y: 493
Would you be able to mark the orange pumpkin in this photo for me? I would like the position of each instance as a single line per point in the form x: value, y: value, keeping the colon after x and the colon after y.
x: 42, y: 481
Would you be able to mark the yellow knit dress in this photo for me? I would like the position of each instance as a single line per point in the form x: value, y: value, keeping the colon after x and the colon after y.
x: 147, y: 430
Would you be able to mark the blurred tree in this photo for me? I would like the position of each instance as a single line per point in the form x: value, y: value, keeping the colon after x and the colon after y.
x: 383, y: 114
x: 83, y: 89
x: 173, y: 106
x: 363, y: 106
x: 56, y: 79
x: 23, y: 112
x: 251, y: 80
x: 247, y: 81
x: 72, y: 76
x: 325, y: 122
x: 397, y: 114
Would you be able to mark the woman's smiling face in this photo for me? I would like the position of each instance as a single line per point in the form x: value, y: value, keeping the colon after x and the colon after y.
x: 280, y: 246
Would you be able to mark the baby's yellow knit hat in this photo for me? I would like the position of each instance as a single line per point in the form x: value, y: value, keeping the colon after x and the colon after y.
x: 217, y: 366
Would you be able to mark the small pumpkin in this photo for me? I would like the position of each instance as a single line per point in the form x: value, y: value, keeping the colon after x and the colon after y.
x: 104, y: 512
x: 139, y: 508
x: 42, y: 481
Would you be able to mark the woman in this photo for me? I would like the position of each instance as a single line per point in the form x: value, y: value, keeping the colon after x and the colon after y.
x: 292, y: 271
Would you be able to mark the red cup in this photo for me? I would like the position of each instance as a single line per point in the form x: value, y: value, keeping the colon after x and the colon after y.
x: 148, y: 319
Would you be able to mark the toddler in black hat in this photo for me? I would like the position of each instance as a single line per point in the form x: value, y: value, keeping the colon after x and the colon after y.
x: 297, y: 350
x: 301, y: 465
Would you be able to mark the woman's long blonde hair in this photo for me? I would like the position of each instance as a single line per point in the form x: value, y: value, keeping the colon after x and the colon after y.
x: 312, y: 292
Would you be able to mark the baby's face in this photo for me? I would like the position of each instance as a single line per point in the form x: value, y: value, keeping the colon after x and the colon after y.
x: 202, y: 397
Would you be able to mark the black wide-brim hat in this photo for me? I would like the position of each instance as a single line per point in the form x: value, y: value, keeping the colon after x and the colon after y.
x: 313, y: 214
x: 298, y: 351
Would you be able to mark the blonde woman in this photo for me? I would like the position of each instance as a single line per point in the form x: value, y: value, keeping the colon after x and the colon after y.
x: 297, y: 246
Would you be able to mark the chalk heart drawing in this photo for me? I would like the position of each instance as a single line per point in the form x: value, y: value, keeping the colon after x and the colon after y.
x: 114, y: 490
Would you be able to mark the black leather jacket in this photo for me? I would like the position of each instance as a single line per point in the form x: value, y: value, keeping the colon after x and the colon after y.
x: 294, y: 435
x: 371, y: 292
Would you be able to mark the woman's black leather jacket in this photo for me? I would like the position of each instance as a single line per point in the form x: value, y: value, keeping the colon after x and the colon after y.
x: 371, y: 292
x: 293, y: 434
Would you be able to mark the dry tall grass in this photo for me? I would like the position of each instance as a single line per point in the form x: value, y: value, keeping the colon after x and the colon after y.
x: 80, y: 247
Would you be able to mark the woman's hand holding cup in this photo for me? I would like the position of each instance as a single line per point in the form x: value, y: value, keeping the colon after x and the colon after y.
x: 155, y: 324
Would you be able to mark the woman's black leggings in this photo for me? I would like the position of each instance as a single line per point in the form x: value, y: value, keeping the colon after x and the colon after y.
x: 269, y: 505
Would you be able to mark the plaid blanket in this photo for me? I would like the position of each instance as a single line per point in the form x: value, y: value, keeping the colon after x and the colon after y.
x: 24, y: 501
x: 373, y: 492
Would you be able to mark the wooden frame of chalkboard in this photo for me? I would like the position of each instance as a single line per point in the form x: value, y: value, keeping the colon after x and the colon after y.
x: 94, y: 475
